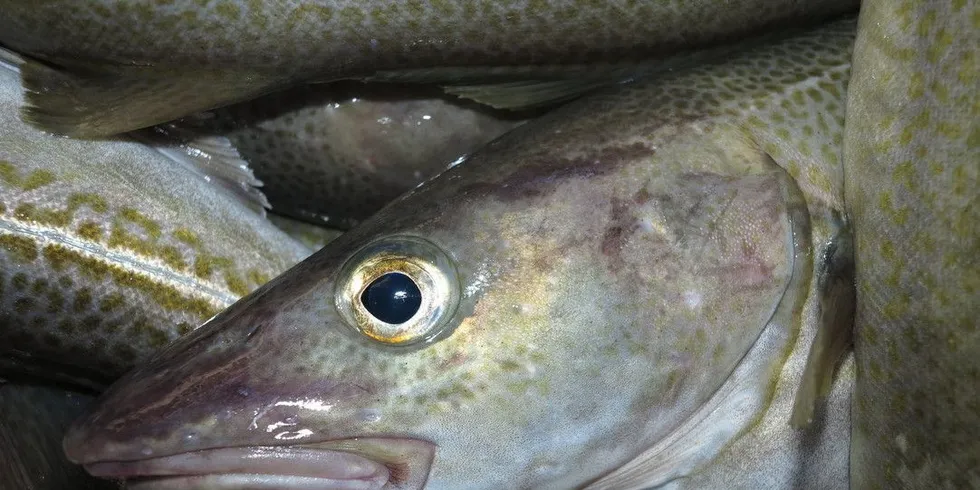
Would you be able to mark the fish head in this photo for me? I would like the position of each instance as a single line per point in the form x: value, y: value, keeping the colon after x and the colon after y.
x: 534, y: 321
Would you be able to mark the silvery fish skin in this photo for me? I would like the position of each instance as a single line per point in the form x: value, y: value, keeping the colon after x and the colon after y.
x: 109, y: 250
x: 621, y: 294
x: 336, y: 155
x: 33, y: 420
x: 912, y: 157
x: 121, y: 65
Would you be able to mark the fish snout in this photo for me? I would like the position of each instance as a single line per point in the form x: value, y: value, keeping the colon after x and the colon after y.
x: 223, y: 385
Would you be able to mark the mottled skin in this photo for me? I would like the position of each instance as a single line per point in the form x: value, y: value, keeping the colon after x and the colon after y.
x: 33, y: 420
x: 635, y: 274
x: 155, y: 61
x: 335, y: 155
x: 109, y: 250
x: 912, y: 160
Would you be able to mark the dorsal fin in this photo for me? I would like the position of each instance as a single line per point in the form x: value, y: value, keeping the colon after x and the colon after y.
x: 90, y: 100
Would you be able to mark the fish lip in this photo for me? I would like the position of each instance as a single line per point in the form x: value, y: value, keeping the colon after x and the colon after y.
x: 305, y: 466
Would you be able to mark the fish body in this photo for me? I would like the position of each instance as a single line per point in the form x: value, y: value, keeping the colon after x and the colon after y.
x: 912, y: 160
x: 335, y: 155
x: 119, y: 65
x: 620, y: 294
x: 111, y: 249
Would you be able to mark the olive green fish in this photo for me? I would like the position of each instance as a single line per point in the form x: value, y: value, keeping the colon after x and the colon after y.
x: 335, y: 155
x: 119, y: 65
x: 111, y: 249
x: 912, y: 160
x: 33, y: 420
x: 621, y: 294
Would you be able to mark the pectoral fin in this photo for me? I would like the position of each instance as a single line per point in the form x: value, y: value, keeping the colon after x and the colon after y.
x: 833, y: 339
x: 94, y: 100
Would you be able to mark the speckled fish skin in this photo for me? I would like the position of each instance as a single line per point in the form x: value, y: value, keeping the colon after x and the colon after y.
x: 180, y: 58
x: 636, y: 282
x: 108, y: 251
x: 912, y: 160
x: 33, y: 420
x: 336, y: 155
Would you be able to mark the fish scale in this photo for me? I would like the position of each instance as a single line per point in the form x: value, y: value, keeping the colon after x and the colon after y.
x: 626, y: 295
x: 911, y: 154
x: 119, y: 65
x: 334, y: 154
x: 109, y: 250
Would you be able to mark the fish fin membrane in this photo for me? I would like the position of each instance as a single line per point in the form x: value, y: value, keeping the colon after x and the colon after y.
x: 529, y: 94
x: 834, y: 334
x: 214, y: 158
x: 10, y: 60
x: 524, y: 87
x: 95, y: 100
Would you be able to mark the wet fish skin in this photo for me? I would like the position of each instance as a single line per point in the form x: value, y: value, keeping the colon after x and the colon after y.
x: 109, y: 250
x: 911, y: 158
x: 313, y: 236
x: 702, y: 195
x: 334, y: 155
x: 33, y: 420
x: 127, y: 64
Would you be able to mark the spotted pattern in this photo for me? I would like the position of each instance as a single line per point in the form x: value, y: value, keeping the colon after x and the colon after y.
x: 617, y: 259
x: 334, y: 155
x: 102, y: 262
x: 235, y: 50
x: 911, y: 155
x: 348, y: 36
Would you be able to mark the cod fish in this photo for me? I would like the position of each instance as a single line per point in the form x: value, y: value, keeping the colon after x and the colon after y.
x: 621, y: 294
x: 116, y: 65
x: 33, y: 420
x: 912, y: 159
x: 111, y: 249
x: 336, y: 155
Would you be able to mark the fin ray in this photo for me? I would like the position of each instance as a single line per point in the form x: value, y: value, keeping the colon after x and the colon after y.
x: 215, y: 158
x: 96, y: 100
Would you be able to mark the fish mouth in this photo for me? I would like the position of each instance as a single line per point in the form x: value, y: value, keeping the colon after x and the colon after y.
x: 347, y: 464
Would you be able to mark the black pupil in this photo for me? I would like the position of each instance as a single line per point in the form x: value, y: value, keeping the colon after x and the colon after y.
x: 392, y: 298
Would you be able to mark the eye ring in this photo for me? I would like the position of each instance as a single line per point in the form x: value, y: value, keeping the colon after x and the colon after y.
x: 424, y: 264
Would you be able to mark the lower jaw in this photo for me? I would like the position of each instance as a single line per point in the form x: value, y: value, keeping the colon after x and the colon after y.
x: 367, y: 463
x: 247, y: 482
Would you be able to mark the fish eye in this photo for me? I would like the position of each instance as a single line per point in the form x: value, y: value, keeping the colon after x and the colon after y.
x: 392, y: 298
x: 398, y: 291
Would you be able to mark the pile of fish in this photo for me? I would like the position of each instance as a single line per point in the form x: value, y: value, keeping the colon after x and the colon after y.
x: 326, y: 244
